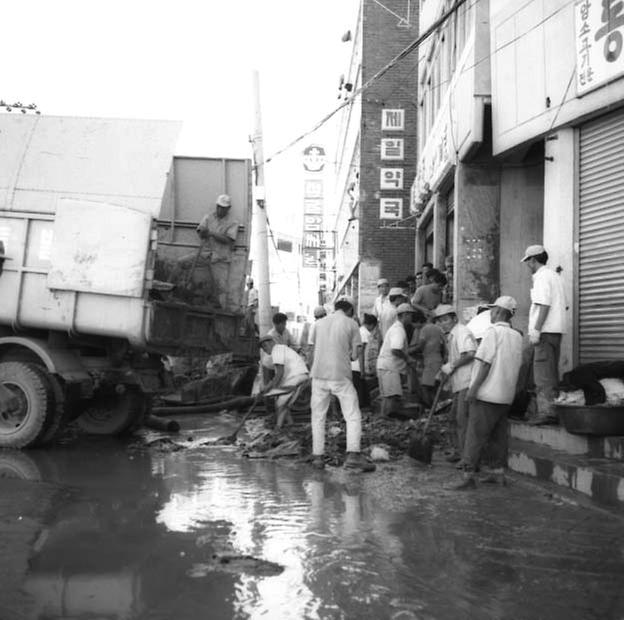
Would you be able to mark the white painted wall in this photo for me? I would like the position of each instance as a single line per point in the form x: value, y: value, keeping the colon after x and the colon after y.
x: 533, y: 60
x: 559, y: 222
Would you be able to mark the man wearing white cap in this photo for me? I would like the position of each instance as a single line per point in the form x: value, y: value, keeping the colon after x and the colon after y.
x: 218, y: 231
x: 336, y: 342
x: 547, y: 323
x: 388, y: 316
x: 393, y: 361
x: 461, y: 348
x: 383, y: 286
x: 493, y: 381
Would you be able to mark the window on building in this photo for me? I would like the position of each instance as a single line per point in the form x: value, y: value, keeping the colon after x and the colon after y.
x: 429, y: 242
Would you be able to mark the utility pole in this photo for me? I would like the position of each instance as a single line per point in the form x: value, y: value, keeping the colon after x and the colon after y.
x: 259, y: 223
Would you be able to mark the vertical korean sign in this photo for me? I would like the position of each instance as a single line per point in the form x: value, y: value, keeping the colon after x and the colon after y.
x: 313, y: 195
x: 391, y: 177
x: 599, y: 36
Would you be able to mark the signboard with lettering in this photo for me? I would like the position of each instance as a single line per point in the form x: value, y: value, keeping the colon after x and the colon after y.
x: 599, y: 35
x: 391, y: 178
x: 392, y: 120
x: 390, y: 208
x: 392, y: 148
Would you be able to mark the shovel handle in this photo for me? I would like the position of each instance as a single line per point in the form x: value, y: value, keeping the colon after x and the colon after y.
x: 433, y: 406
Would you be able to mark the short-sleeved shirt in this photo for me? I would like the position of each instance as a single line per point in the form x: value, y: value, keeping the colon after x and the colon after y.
x: 460, y: 340
x: 221, y: 252
x: 336, y: 339
x: 548, y: 291
x: 431, y: 341
x: 396, y: 338
x: 501, y: 347
x: 284, y: 338
x: 387, y: 318
x: 380, y: 302
x: 364, y: 335
x: 428, y: 296
x: 293, y: 364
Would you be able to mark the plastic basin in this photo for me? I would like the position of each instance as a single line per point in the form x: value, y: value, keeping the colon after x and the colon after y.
x: 591, y: 420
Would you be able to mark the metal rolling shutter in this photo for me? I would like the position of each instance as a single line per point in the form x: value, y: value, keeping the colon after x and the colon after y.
x: 601, y: 239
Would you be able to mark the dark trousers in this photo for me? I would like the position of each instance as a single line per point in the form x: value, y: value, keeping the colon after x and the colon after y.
x: 459, y: 419
x: 487, y: 424
x: 361, y: 388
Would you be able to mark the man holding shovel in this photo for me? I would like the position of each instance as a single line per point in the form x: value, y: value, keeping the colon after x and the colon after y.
x: 492, y: 389
x: 461, y: 347
x: 290, y: 373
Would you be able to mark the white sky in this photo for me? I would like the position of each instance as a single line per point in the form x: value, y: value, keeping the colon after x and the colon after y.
x: 189, y: 60
x: 185, y: 60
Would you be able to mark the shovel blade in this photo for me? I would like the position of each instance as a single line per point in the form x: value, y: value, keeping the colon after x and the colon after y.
x: 421, y: 449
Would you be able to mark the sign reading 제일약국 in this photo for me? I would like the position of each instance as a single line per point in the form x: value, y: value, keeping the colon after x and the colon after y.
x: 599, y: 35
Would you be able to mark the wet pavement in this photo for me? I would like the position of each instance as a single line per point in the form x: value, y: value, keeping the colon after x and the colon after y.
x: 97, y: 530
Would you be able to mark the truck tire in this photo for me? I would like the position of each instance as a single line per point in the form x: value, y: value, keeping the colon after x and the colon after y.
x: 114, y: 414
x: 57, y: 416
x: 19, y: 465
x: 22, y: 428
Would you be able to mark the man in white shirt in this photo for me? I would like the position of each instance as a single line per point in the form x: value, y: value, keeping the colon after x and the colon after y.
x: 461, y: 347
x: 393, y: 361
x: 383, y: 286
x: 290, y: 371
x: 493, y: 381
x: 336, y: 342
x: 547, y: 323
x: 388, y: 316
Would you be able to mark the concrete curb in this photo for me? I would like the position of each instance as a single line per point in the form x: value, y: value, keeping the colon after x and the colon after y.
x: 602, y: 479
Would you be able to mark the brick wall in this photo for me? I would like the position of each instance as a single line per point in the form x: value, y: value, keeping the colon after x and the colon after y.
x: 383, y: 38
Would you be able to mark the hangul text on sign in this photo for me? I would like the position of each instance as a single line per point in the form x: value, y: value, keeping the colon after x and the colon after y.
x: 393, y: 120
x: 390, y: 208
x: 312, y: 222
x: 313, y: 188
x: 612, y: 19
x: 391, y: 178
x: 392, y: 148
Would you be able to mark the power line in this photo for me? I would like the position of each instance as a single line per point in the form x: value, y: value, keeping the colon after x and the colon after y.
x: 358, y: 91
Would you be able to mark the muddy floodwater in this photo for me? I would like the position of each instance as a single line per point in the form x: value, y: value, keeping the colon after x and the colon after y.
x: 106, y: 530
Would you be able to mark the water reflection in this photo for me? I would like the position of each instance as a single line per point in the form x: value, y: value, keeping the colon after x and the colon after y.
x: 119, y: 535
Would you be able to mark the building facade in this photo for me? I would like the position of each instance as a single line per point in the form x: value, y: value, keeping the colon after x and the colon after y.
x: 464, y: 199
x: 558, y: 88
x: 376, y: 154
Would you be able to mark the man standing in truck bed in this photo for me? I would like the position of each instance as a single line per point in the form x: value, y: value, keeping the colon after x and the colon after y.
x: 218, y: 231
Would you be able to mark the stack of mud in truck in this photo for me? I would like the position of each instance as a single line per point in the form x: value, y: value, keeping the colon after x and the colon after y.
x: 96, y: 298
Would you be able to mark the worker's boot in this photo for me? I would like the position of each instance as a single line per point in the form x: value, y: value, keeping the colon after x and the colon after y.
x: 356, y: 462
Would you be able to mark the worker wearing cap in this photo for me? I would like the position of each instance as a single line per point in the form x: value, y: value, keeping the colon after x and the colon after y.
x: 319, y: 313
x: 383, y: 287
x: 547, y: 323
x: 492, y: 388
x: 393, y: 361
x: 336, y: 343
x: 290, y: 372
x: 396, y: 297
x: 218, y: 231
x: 461, y: 348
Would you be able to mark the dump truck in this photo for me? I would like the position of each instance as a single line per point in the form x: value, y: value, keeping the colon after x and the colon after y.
x: 98, y: 220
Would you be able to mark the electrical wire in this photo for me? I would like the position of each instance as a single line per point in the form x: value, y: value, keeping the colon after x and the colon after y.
x: 358, y: 91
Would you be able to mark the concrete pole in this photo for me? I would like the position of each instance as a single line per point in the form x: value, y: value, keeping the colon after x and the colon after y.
x: 259, y: 223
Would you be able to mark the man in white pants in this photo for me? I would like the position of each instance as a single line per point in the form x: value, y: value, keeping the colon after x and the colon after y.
x: 336, y: 342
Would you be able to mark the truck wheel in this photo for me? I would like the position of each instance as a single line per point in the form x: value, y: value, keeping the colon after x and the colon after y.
x: 22, y: 427
x: 113, y: 414
x: 57, y: 416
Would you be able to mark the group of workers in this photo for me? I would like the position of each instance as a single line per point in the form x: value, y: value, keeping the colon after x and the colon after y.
x: 409, y: 328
